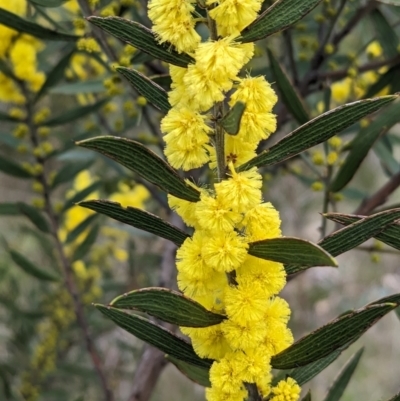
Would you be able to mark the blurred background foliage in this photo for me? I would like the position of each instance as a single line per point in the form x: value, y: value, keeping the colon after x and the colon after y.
x: 58, y: 84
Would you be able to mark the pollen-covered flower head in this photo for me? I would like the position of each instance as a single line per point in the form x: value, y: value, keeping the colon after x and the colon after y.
x: 224, y: 251
x: 286, y: 390
x: 214, y: 214
x: 233, y: 15
x: 174, y: 23
x: 242, y: 190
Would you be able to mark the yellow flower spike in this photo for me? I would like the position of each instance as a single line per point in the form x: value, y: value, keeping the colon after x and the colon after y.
x: 224, y: 251
x: 215, y: 394
x: 190, y: 259
x: 286, y: 390
x: 185, y: 209
x: 232, y: 16
x: 242, y: 190
x: 262, y: 222
x: 208, y: 342
x: 245, y: 303
x: 38, y: 203
x: 243, y: 335
x: 22, y: 148
x: 215, y: 215
x: 186, y: 133
x: 270, y: 275
x: 174, y: 23
x: 226, y: 374
x: 318, y: 158
x: 37, y: 187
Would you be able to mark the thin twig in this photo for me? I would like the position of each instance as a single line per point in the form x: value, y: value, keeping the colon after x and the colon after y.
x: 287, y: 35
x: 97, y: 32
x: 152, y: 361
x: 65, y: 263
x: 373, y: 249
x: 379, y: 197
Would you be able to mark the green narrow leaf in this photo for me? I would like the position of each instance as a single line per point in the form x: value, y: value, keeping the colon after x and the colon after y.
x: 307, y: 397
x: 87, y: 243
x: 154, y: 335
x: 9, y: 209
x: 388, y: 162
x: 304, y: 374
x: 73, y: 114
x: 31, y: 269
x: 147, y: 88
x: 168, y: 306
x: 231, y: 121
x: 69, y: 171
x: 35, y: 216
x: 23, y: 26
x: 136, y: 157
x: 387, y: 36
x: 81, y: 195
x: 137, y: 218
x: 339, y: 385
x: 195, y: 373
x: 318, y: 130
x: 390, y: 234
x: 286, y: 249
x: 48, y: 3
x: 362, y: 143
x: 81, y: 228
x: 11, y: 168
x: 278, y: 17
x: 56, y: 74
x: 142, y: 38
x: 334, y: 335
x: 290, y: 97
x: 353, y: 235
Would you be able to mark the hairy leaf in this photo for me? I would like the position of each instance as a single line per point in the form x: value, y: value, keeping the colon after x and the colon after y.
x: 154, y: 335
x: 318, y: 130
x: 138, y: 218
x: 305, y: 373
x: 156, y: 95
x: 353, y: 235
x: 390, y: 234
x: 291, y: 250
x: 169, y: 306
x: 136, y: 157
x: 334, y: 335
x: 142, y: 38
x: 278, y: 17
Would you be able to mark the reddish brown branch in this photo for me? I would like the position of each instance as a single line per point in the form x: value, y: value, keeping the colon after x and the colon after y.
x: 380, y: 196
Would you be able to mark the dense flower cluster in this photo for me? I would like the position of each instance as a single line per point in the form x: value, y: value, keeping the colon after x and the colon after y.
x: 20, y: 53
x: 214, y: 266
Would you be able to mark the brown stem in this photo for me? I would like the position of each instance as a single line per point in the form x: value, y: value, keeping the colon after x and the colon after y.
x: 152, y: 361
x: 252, y: 389
x: 379, y: 197
x: 65, y: 263
x: 97, y: 32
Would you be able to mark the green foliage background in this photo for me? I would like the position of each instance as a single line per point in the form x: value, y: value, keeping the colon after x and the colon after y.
x: 342, y: 51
